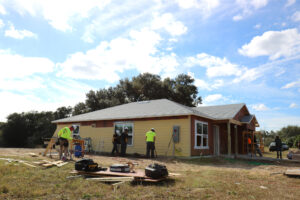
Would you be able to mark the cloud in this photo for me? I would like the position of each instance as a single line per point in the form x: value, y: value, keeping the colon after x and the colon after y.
x: 293, y: 105
x: 206, y: 7
x: 213, y: 98
x: 19, y: 34
x: 259, y: 107
x: 289, y: 3
x: 248, y: 7
x: 139, y: 51
x: 296, y: 16
x: 277, y: 121
x: 59, y: 14
x: 1, y: 23
x: 2, y: 10
x: 206, y: 85
x: 168, y: 22
x: 292, y: 84
x: 18, y: 66
x: 257, y: 26
x: 274, y: 44
x: 22, y: 84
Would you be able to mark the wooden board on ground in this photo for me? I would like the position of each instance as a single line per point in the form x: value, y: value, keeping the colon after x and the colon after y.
x: 292, y: 172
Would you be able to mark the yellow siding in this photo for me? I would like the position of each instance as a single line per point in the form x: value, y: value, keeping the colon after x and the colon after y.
x: 163, y: 128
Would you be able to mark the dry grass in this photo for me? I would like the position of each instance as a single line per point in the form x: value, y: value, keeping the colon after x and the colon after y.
x: 201, y: 179
x: 273, y: 154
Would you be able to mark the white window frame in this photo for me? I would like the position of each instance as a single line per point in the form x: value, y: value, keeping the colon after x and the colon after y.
x: 202, y: 135
x: 78, y: 134
x: 126, y: 124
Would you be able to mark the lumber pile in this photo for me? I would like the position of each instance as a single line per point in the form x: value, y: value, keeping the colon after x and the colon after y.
x: 47, y: 163
x: 292, y: 172
x: 10, y: 160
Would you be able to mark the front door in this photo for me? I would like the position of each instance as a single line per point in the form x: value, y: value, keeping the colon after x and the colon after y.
x: 216, y: 140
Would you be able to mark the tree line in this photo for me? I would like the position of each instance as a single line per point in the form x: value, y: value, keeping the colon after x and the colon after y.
x: 27, y: 129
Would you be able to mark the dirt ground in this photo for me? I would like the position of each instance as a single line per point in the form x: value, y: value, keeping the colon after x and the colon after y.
x: 174, y: 165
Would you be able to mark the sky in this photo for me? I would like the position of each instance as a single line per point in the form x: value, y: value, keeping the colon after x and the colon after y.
x: 52, y: 52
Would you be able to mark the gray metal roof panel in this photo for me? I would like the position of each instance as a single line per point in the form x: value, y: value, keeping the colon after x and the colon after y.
x: 221, y: 111
x: 143, y: 109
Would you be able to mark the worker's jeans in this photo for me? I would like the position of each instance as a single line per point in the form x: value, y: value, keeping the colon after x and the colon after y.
x: 123, y: 148
x: 150, y: 146
x: 279, y: 153
x: 115, y: 148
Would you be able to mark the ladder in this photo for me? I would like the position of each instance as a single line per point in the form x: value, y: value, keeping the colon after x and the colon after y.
x: 50, y: 146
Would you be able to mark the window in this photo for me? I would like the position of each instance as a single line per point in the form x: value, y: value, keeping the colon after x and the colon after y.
x: 76, y: 131
x: 201, y: 135
x: 119, y: 128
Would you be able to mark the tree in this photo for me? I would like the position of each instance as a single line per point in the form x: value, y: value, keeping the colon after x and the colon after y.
x: 63, y: 112
x: 80, y: 108
x: 185, y: 92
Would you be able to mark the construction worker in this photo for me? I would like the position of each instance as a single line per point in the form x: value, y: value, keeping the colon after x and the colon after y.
x: 115, y: 141
x: 150, y: 140
x: 278, y: 147
x: 64, y: 135
x: 124, y: 140
x: 249, y: 144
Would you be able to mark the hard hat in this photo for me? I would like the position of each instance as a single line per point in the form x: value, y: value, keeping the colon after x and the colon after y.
x: 126, y: 128
x: 152, y: 129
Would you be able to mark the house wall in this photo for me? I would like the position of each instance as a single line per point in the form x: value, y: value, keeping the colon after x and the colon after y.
x: 198, y: 152
x: 104, y: 130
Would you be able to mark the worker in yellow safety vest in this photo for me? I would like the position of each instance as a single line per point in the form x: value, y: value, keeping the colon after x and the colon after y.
x: 150, y: 140
x: 64, y: 135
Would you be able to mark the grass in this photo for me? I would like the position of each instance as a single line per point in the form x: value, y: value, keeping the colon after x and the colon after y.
x: 273, y: 154
x: 206, y: 178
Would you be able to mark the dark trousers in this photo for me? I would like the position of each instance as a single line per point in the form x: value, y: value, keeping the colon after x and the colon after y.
x: 115, y: 148
x: 279, y: 153
x: 150, y: 147
x: 123, y: 148
x: 257, y: 150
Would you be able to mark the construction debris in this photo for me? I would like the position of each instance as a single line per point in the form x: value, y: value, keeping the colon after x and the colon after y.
x: 33, y: 154
x: 19, y: 161
x: 47, y: 163
x: 292, y: 172
x: 111, y: 179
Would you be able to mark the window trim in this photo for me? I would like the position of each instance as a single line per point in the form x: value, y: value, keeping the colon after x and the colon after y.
x: 196, y: 134
x: 126, y: 122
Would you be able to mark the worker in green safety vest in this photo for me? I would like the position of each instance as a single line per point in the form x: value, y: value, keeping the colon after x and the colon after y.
x: 150, y: 140
x: 64, y: 135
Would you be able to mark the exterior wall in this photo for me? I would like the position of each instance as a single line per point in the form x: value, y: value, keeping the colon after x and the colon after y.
x: 198, y: 152
x: 104, y: 130
x: 241, y: 113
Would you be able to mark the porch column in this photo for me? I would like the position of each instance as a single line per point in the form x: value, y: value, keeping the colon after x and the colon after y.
x: 228, y: 138
x: 235, y: 140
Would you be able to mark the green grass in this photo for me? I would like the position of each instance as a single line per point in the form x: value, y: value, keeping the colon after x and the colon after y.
x: 273, y: 154
x: 201, y: 179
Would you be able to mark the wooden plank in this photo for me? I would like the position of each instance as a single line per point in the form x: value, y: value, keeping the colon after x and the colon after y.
x: 111, y: 179
x: 137, y: 173
x: 292, y: 172
x: 228, y: 139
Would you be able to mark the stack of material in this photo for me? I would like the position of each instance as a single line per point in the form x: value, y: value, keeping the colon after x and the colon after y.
x: 47, y: 163
x: 292, y: 172
x: 138, y: 175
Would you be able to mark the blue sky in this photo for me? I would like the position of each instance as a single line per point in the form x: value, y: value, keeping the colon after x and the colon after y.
x: 53, y: 52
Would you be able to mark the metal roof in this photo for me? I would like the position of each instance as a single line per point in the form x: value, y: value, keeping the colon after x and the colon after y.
x: 222, y: 111
x: 143, y: 109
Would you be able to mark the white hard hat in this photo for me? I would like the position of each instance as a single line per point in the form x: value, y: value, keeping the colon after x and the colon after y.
x: 152, y: 129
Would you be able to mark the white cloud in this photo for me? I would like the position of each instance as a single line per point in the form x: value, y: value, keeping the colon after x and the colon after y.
x: 206, y: 7
x: 292, y: 84
x: 1, y: 23
x: 139, y: 51
x: 59, y: 14
x: 168, y: 22
x: 259, y: 107
x: 248, y: 7
x: 18, y: 66
x: 19, y: 34
x: 274, y: 44
x: 296, y: 16
x: 290, y: 2
x: 212, y: 98
x: 293, y: 105
x: 206, y: 85
x: 22, y: 84
x: 2, y: 10
x: 257, y: 26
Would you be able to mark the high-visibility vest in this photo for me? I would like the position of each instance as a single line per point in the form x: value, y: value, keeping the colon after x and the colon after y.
x: 65, y: 133
x: 150, y: 136
x: 249, y: 141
